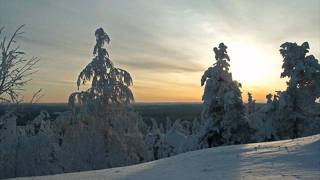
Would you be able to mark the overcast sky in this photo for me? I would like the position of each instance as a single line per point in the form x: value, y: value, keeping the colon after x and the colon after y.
x: 166, y: 45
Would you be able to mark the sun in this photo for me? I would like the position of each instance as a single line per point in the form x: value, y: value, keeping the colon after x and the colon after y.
x: 249, y: 65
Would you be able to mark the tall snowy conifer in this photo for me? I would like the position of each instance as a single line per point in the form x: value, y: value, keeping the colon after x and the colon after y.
x: 297, y: 103
x: 109, y: 85
x: 223, y: 110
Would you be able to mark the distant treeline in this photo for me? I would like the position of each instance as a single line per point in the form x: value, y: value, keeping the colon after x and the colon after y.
x: 158, y: 111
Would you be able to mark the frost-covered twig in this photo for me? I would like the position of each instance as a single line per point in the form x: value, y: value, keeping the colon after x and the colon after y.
x: 15, y: 69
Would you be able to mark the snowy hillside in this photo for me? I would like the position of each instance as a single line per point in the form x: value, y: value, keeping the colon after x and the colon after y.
x: 288, y: 159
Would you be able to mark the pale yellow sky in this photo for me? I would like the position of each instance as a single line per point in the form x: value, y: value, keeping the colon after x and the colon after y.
x: 165, y: 45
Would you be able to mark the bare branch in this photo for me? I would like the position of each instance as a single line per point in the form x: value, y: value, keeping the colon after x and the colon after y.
x: 36, y: 96
x: 15, y: 69
x: 15, y: 34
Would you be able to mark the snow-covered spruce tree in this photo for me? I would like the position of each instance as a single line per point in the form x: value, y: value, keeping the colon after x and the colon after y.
x: 109, y: 85
x: 105, y: 111
x: 251, y: 103
x: 297, y: 104
x: 263, y: 120
x: 223, y: 110
x: 269, y: 98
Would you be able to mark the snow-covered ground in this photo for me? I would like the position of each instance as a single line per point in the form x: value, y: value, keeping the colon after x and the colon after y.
x: 288, y: 159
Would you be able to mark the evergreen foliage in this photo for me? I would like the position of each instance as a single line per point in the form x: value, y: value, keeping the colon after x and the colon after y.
x: 297, y: 103
x: 251, y: 103
x: 109, y: 85
x: 223, y: 106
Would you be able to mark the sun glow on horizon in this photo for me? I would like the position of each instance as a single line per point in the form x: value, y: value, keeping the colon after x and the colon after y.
x: 165, y: 59
x: 250, y: 65
x: 256, y: 69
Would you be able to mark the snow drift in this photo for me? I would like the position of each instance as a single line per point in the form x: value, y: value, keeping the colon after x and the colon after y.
x: 287, y: 159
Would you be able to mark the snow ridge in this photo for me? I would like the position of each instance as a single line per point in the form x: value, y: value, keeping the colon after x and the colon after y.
x: 287, y: 159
